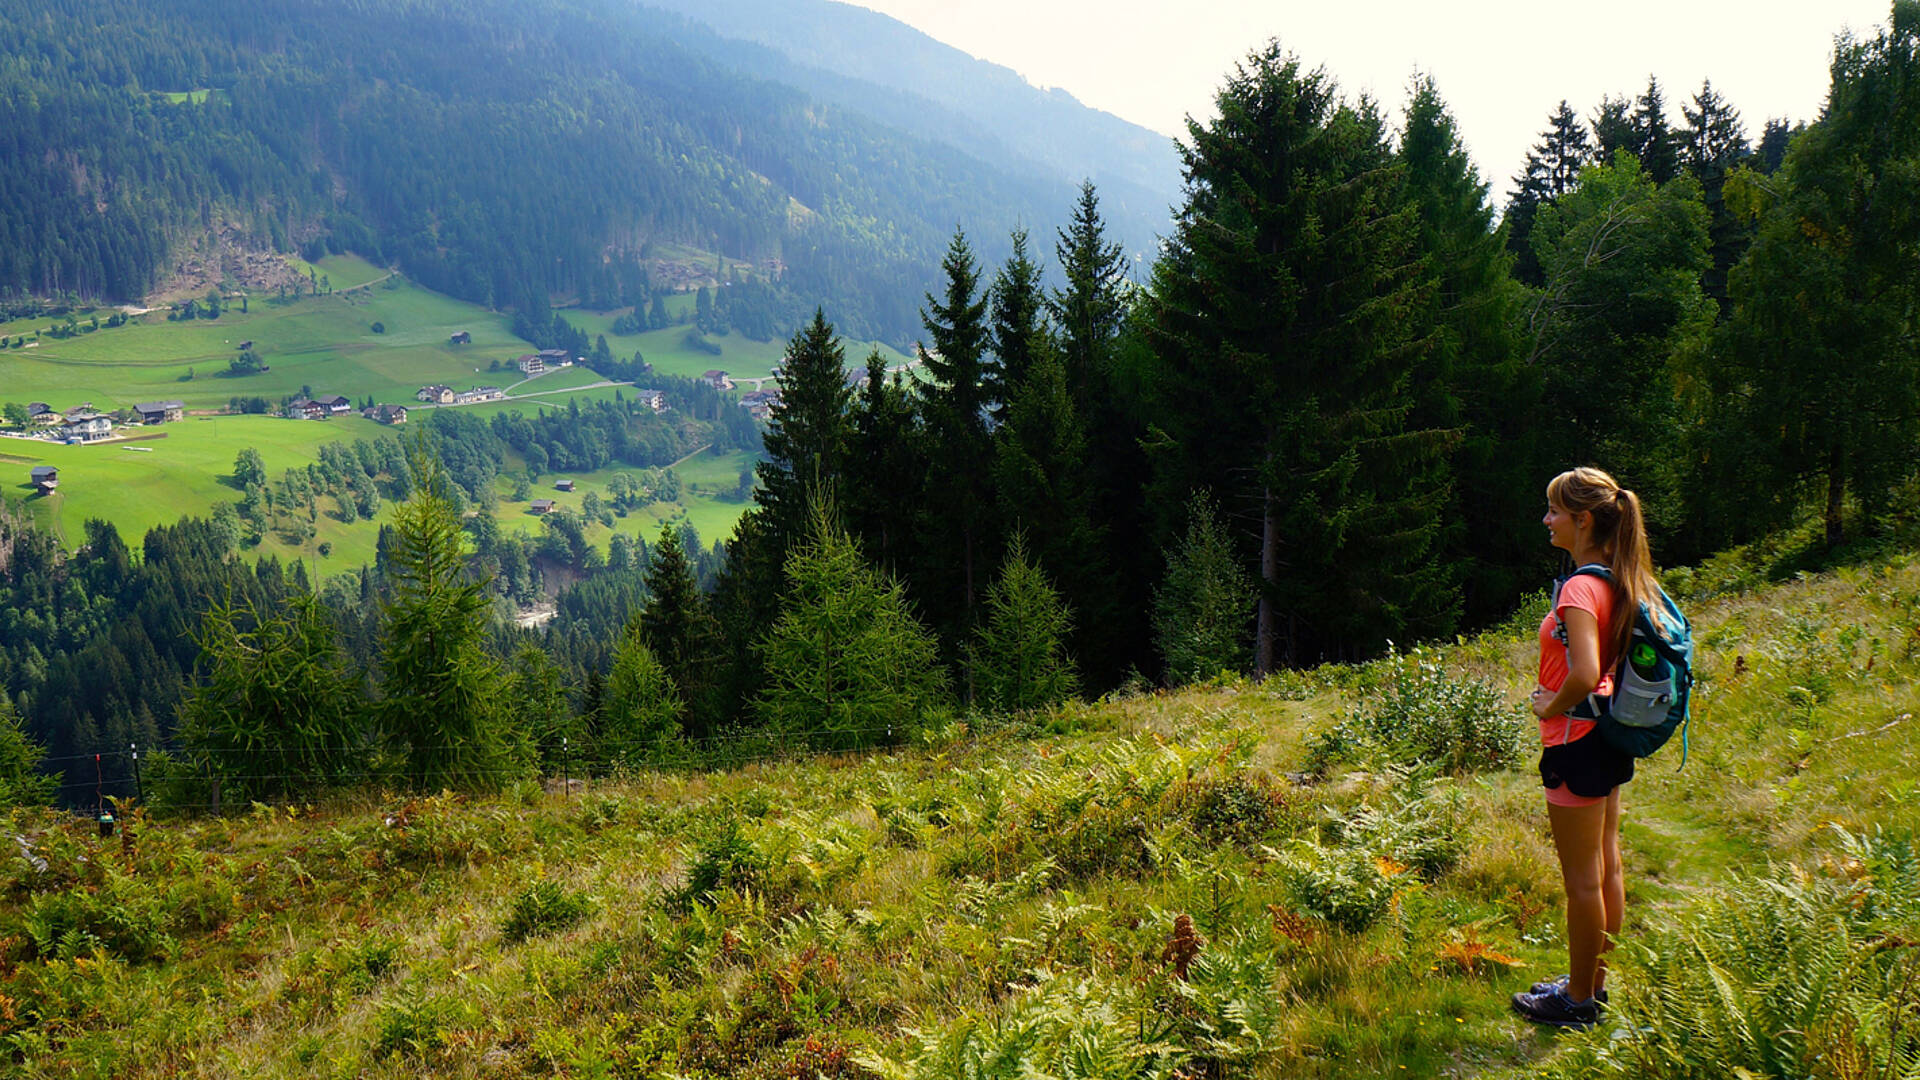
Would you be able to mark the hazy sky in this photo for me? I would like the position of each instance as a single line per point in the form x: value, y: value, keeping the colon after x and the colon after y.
x: 1502, y: 65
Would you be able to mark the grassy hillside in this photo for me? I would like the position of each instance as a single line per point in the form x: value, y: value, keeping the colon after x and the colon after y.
x: 1236, y: 880
x: 670, y: 352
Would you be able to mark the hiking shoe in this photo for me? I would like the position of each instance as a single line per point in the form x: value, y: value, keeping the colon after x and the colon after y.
x: 1556, y: 1009
x: 1559, y: 982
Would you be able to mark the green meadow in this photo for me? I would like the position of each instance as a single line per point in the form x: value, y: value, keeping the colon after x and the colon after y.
x: 667, y: 350
x: 707, y: 480
x: 319, y: 344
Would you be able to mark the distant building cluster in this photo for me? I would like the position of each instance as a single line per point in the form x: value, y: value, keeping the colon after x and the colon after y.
x: 447, y: 395
x: 543, y: 361
x: 321, y: 407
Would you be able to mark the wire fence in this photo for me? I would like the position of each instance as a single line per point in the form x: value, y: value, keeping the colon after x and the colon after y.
x: 229, y: 777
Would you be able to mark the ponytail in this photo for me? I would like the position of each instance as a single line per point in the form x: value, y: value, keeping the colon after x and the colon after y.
x: 1620, y: 531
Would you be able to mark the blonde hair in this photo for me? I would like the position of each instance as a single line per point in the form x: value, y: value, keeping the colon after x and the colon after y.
x: 1620, y: 532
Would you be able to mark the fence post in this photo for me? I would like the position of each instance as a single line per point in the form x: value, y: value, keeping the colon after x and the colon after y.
x: 566, y: 771
x: 139, y: 789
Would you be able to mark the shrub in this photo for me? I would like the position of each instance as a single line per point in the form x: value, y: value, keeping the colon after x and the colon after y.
x: 1018, y: 655
x: 1426, y: 716
x: 542, y: 908
x: 1347, y: 887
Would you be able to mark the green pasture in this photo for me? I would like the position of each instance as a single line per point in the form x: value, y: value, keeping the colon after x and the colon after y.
x: 324, y: 343
x: 667, y: 350
x: 704, y: 478
x: 343, y: 272
x: 176, y: 470
x: 183, y: 97
x: 557, y: 379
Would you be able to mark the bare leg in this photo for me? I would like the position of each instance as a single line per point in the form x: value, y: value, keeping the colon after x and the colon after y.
x: 1579, y: 837
x: 1613, y: 886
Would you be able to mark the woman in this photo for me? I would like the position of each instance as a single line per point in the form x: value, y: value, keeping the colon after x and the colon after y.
x: 1598, y: 522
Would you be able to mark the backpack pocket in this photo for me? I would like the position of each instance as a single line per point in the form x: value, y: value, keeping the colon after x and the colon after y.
x: 1640, y: 701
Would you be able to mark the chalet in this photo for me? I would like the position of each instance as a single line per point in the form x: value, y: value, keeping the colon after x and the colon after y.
x: 718, y: 380
x: 555, y: 358
x: 479, y: 394
x: 563, y: 485
x: 652, y: 399
x: 42, y: 413
x: 335, y: 403
x: 532, y: 364
x: 439, y: 395
x: 86, y: 426
x: 45, y: 478
x: 386, y: 414
x: 160, y: 412
x: 542, y: 506
x: 305, y: 408
x: 460, y: 338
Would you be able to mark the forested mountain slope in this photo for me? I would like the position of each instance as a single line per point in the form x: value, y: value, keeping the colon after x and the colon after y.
x: 502, y: 152
x: 869, y: 62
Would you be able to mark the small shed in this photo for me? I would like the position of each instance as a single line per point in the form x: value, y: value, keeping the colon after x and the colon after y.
x: 542, y: 506
x: 460, y: 338
x: 563, y: 485
x: 45, y: 478
x: 244, y: 346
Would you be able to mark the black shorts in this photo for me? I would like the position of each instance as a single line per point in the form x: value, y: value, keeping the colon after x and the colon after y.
x: 1588, y: 766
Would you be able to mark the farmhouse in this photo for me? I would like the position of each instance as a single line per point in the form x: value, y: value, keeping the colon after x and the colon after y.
x: 460, y: 338
x: 477, y: 394
x: 532, y: 364
x: 386, y: 414
x: 160, y: 412
x: 439, y: 395
x: 305, y: 408
x: 335, y: 403
x: 45, y: 478
x: 563, y: 485
x: 718, y: 380
x: 42, y: 413
x: 652, y: 399
x: 82, y: 424
x: 542, y: 506
x: 555, y: 358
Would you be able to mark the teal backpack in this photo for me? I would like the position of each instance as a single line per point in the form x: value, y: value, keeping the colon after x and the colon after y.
x: 1651, y: 684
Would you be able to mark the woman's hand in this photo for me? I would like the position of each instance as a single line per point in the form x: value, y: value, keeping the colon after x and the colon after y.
x: 1541, y: 699
x: 1583, y: 666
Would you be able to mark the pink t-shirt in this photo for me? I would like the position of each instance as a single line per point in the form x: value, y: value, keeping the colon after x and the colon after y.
x: 1595, y: 596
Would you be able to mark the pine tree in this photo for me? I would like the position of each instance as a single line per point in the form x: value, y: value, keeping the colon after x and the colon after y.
x: 1018, y: 330
x: 1203, y: 608
x: 1816, y: 392
x: 1651, y: 139
x: 1478, y: 381
x: 807, y: 434
x: 847, y: 665
x: 1713, y: 144
x: 680, y: 630
x: 1089, y: 310
x: 21, y: 781
x: 1045, y: 489
x: 440, y: 705
x: 1018, y: 658
x: 1612, y: 128
x: 1772, y: 150
x: 1292, y: 276
x: 1552, y: 170
x: 642, y: 710
x: 886, y: 467
x: 536, y: 695
x: 954, y: 532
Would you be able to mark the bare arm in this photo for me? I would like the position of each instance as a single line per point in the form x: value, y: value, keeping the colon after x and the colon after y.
x: 1583, y: 665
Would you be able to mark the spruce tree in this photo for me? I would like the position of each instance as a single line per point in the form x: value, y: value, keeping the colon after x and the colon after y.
x: 1089, y: 309
x: 886, y: 467
x: 1292, y: 276
x: 847, y: 664
x: 1552, y: 170
x: 807, y: 432
x: 1018, y: 329
x: 679, y: 628
x: 1045, y: 489
x: 1712, y: 145
x: 1018, y: 656
x: 1816, y: 394
x: 1203, y: 608
x: 21, y: 781
x: 1651, y: 138
x: 955, y: 531
x: 440, y: 707
x: 1612, y: 128
x: 1477, y: 380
